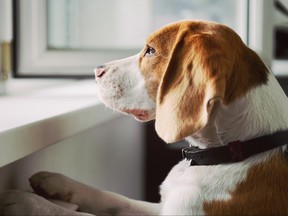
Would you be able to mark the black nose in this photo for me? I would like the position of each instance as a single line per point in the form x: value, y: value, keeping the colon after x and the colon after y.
x: 99, y: 71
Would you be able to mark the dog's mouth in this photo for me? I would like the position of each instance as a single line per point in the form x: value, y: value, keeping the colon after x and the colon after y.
x: 141, y: 115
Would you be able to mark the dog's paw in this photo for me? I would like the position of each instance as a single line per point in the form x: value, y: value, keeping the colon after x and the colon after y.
x: 25, y: 203
x: 54, y: 185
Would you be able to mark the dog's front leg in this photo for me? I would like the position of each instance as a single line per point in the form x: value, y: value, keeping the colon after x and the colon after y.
x: 54, y: 185
x: 14, y: 203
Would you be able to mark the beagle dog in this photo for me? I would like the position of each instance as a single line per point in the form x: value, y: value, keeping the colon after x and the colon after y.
x: 199, y: 82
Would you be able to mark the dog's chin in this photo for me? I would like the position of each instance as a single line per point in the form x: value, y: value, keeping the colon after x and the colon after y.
x: 140, y: 115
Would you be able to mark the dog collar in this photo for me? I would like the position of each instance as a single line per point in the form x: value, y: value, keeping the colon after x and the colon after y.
x: 234, y: 151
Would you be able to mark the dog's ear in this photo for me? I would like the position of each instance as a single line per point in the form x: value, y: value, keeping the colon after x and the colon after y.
x: 193, y: 81
x: 208, y: 63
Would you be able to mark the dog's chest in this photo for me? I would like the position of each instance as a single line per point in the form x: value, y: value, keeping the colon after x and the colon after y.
x: 187, y: 187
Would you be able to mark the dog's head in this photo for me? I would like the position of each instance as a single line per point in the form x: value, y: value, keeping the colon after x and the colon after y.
x: 183, y: 70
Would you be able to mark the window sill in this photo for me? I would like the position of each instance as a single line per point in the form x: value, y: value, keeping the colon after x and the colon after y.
x: 38, y: 113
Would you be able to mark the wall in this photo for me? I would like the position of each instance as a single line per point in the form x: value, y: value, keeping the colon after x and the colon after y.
x: 108, y: 156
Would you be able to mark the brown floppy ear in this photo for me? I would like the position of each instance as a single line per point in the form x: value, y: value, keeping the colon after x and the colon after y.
x: 194, y: 79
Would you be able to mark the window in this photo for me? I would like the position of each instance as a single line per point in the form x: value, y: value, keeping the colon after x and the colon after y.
x: 126, y: 23
x: 71, y: 37
x: 280, y: 47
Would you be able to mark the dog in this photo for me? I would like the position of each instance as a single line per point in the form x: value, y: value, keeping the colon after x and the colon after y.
x: 199, y: 82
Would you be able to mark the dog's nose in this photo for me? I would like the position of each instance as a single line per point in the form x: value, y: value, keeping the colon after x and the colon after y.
x: 99, y: 71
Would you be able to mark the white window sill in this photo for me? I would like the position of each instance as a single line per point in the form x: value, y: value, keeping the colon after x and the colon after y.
x: 37, y: 113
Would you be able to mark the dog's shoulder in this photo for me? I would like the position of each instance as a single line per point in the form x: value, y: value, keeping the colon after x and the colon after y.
x: 187, y: 187
x: 227, y: 188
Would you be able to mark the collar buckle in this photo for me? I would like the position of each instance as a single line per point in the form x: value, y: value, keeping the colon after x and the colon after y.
x: 184, y: 150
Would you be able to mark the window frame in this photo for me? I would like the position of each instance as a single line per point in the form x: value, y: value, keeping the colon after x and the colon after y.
x: 34, y: 59
x: 259, y: 40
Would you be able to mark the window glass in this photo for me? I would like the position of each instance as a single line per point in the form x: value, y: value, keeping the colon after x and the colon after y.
x: 124, y: 24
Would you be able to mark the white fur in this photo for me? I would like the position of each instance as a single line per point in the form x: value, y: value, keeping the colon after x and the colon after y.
x: 187, y: 187
x: 263, y: 110
x: 123, y: 87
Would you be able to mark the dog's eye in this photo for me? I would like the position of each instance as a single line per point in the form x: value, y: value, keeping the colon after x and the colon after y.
x: 149, y: 51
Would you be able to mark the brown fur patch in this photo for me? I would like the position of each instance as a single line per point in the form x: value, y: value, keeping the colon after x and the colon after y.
x: 153, y: 68
x: 264, y: 192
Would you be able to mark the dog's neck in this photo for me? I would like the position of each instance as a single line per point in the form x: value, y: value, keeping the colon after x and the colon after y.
x: 262, y: 111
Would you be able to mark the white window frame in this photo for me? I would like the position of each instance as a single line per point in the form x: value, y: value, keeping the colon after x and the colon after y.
x: 280, y: 67
x: 261, y: 28
x: 261, y: 33
x: 35, y: 59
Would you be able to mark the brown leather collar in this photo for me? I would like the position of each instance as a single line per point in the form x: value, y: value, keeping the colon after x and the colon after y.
x: 235, y: 151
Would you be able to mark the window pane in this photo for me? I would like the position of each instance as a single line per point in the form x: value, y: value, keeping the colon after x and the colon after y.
x: 98, y: 24
x: 222, y: 11
x: 124, y: 24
